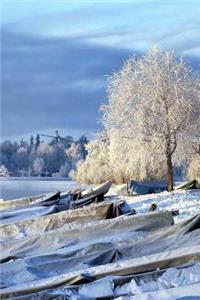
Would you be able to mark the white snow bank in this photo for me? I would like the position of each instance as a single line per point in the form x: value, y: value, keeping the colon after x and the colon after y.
x: 187, y: 202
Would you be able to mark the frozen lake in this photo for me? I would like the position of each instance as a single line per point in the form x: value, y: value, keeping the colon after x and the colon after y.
x: 11, y: 188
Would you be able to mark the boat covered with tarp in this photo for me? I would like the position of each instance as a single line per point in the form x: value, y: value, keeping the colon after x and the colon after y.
x: 146, y: 187
x: 45, y: 198
x: 193, y: 184
x: 82, y: 245
x: 42, y: 224
x: 51, y: 204
x: 64, y: 260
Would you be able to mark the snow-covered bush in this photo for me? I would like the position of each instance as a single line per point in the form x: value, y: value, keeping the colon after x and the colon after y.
x: 96, y: 167
x: 38, y: 165
x: 74, y: 155
x: 194, y: 169
x: 119, y: 160
x: 4, y: 171
x: 65, y: 169
x: 20, y: 159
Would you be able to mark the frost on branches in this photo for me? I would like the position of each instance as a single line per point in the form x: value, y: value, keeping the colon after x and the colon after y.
x: 4, y: 171
x: 194, y: 169
x: 38, y: 165
x: 96, y: 167
x: 153, y: 109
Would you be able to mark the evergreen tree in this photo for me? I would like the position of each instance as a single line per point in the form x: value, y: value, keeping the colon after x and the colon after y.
x: 83, y: 141
x: 37, y: 141
x: 31, y: 144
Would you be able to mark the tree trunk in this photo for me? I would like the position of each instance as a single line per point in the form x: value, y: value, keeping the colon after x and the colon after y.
x: 170, y: 184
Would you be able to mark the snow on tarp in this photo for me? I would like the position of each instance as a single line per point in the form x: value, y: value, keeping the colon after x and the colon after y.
x: 98, y: 254
x: 103, y: 210
x: 140, y: 285
x: 12, y: 216
x: 28, y: 200
x: 186, y: 201
x: 120, y: 256
x: 73, y: 234
x: 34, y: 282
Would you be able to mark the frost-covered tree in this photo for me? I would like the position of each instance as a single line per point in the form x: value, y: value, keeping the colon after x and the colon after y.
x: 7, y: 150
x: 46, y: 152
x: 23, y: 144
x: 4, y: 171
x: 74, y: 154
x: 4, y: 160
x: 153, y: 100
x: 31, y: 145
x: 65, y: 169
x: 59, y: 155
x: 129, y: 159
x: 83, y: 141
x: 118, y: 159
x: 38, y: 165
x: 96, y: 168
x: 37, y: 141
x: 193, y: 171
x: 20, y: 159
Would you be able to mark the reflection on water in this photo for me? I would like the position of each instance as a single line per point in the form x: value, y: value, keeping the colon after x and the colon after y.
x: 16, y: 188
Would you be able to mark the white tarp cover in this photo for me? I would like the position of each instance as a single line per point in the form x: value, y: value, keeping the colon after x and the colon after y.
x: 171, y: 283
x: 99, y: 211
x: 12, y: 216
x: 71, y: 234
x: 122, y: 246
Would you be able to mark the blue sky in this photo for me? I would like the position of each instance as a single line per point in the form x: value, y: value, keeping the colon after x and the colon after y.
x: 55, y: 55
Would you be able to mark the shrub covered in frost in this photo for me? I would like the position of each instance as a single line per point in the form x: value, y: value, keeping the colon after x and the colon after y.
x: 194, y: 169
x: 4, y: 171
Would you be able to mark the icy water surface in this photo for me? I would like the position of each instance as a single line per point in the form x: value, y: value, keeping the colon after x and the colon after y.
x: 20, y: 187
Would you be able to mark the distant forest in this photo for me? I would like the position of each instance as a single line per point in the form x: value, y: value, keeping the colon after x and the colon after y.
x: 59, y: 157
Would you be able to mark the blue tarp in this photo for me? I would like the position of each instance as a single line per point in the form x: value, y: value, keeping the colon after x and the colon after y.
x: 148, y: 187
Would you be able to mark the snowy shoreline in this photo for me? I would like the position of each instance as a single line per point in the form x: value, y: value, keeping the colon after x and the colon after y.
x: 159, y: 260
x: 186, y: 201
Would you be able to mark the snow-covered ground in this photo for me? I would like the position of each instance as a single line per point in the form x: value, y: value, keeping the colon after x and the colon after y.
x: 174, y: 283
x: 186, y: 201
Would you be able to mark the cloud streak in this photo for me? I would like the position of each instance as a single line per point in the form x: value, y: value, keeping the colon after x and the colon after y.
x: 54, y: 83
x: 55, y: 56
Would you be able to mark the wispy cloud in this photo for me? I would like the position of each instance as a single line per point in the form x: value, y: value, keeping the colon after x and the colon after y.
x: 55, y: 55
x: 54, y: 83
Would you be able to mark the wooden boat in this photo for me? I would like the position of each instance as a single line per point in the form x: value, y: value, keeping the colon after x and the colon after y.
x: 100, y: 189
x: 29, y: 200
x: 92, y: 195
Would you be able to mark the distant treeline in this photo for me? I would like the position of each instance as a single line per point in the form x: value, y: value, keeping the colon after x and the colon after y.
x: 38, y: 158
